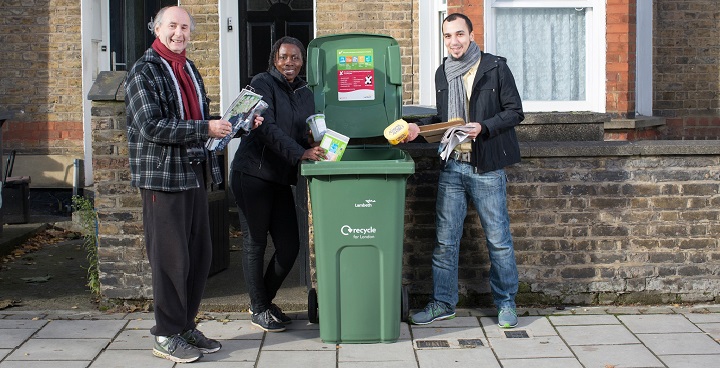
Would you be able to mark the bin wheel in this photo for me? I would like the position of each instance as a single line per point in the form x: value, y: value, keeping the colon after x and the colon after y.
x: 312, y: 306
x: 404, y: 304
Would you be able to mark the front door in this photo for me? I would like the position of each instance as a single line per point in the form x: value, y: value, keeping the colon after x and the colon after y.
x: 266, y: 21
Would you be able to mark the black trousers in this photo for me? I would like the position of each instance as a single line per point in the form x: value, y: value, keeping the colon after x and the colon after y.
x: 179, y: 248
x: 268, y: 208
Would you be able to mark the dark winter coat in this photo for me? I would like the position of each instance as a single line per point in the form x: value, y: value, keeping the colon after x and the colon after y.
x: 495, y: 104
x: 273, y: 150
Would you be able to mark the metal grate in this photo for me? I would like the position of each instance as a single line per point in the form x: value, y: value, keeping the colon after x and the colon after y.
x: 470, y: 343
x: 422, y: 344
x: 518, y: 334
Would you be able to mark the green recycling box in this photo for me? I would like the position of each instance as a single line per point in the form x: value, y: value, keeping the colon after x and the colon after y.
x: 358, y: 203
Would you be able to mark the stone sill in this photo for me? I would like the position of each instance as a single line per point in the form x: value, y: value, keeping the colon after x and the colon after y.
x: 639, y: 122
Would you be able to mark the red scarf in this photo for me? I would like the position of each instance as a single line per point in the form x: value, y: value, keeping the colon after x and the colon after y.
x: 191, y: 104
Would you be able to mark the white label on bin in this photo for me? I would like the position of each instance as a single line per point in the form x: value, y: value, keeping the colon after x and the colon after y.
x: 358, y: 233
x: 367, y: 204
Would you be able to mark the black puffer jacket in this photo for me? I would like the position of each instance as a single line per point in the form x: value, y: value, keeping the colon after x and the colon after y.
x: 495, y: 104
x: 272, y: 151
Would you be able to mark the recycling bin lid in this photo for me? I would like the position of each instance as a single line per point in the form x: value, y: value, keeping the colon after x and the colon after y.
x: 356, y: 79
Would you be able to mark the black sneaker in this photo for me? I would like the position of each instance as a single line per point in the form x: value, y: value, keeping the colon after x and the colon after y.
x: 278, y: 315
x: 267, y: 322
x: 175, y: 348
x: 197, y: 339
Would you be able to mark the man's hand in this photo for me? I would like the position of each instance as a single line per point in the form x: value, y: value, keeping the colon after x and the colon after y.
x: 219, y: 128
x: 477, y: 128
x: 258, y: 121
x: 413, y: 131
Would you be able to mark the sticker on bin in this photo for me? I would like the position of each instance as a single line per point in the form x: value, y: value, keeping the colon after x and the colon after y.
x: 334, y: 144
x: 317, y: 126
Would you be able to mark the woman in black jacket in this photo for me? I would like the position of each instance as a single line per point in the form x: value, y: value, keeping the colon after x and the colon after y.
x: 263, y: 169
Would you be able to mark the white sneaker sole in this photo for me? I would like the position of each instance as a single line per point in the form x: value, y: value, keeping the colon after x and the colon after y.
x: 175, y: 359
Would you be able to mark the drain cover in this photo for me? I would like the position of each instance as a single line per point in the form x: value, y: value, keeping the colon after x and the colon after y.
x: 432, y: 344
x: 470, y: 343
x: 519, y: 334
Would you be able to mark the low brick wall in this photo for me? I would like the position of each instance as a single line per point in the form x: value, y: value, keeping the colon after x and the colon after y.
x: 593, y: 222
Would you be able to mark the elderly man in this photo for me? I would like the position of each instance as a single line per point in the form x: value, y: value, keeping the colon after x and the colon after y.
x: 168, y: 124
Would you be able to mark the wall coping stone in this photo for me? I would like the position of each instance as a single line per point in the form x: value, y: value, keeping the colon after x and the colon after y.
x: 592, y: 148
x: 108, y: 87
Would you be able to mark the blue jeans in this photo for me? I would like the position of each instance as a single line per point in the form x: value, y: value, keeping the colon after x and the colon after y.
x: 457, y: 183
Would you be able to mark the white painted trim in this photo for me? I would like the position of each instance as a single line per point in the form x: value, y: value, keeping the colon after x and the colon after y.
x: 229, y: 63
x: 596, y: 27
x: 430, y: 50
x: 643, y: 61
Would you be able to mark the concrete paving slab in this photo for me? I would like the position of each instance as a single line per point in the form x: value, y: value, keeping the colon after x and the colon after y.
x: 584, y: 320
x: 21, y: 323
x: 534, y: 326
x: 538, y: 347
x: 130, y: 359
x: 302, y: 324
x: 597, y: 335
x: 712, y: 329
x: 4, y: 353
x: 680, y: 343
x: 626, y: 356
x: 48, y: 364
x: 59, y: 349
x: 404, y: 332
x: 455, y: 322
x: 235, y: 351
x: 541, y: 363
x: 690, y: 361
x: 696, y: 317
x: 233, y: 330
x: 641, y: 324
x: 10, y: 339
x: 296, y: 340
x: 132, y: 340
x: 140, y: 324
x: 81, y: 329
x: 201, y: 363
x: 294, y: 359
x: 451, y: 335
x: 477, y: 357
x: 378, y: 365
x: 401, y: 351
x: 26, y: 315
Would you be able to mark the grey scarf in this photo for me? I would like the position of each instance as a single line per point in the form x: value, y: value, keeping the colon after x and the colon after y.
x: 454, y: 70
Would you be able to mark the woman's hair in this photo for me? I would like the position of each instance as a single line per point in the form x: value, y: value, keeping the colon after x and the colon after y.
x: 155, y: 22
x: 276, y: 49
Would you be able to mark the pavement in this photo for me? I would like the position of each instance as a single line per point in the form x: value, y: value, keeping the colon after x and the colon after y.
x: 54, y: 330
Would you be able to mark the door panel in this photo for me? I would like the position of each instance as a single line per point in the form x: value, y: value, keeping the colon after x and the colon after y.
x: 264, y: 23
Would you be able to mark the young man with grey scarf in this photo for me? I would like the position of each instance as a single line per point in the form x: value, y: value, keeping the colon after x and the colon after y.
x: 479, y: 88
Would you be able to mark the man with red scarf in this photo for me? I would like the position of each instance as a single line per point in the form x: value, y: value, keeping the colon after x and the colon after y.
x: 168, y: 123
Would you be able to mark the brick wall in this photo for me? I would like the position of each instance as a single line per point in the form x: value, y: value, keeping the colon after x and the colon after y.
x: 394, y: 18
x: 204, y: 49
x: 593, y: 222
x: 686, y: 72
x: 42, y: 76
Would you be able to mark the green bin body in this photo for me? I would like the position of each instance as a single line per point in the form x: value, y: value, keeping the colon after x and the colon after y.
x: 358, y: 204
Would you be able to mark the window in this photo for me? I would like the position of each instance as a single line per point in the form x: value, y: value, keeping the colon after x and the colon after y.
x: 432, y: 48
x: 555, y: 50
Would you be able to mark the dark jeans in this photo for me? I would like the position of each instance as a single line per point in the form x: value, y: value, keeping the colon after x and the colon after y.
x: 268, y: 208
x: 179, y: 248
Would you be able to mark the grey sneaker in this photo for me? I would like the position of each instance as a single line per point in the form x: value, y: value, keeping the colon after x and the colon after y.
x: 197, y: 339
x: 278, y: 315
x: 507, y: 317
x: 434, y: 311
x: 175, y: 348
x: 267, y: 322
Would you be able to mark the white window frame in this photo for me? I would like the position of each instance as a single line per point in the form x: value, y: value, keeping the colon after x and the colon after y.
x: 595, y: 48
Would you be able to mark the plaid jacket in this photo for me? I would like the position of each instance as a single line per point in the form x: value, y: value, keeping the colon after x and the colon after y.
x: 157, y: 132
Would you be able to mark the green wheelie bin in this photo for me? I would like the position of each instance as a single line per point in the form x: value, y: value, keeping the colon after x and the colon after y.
x: 358, y: 203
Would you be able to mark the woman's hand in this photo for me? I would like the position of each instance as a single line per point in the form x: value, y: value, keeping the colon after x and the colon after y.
x: 314, y: 154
